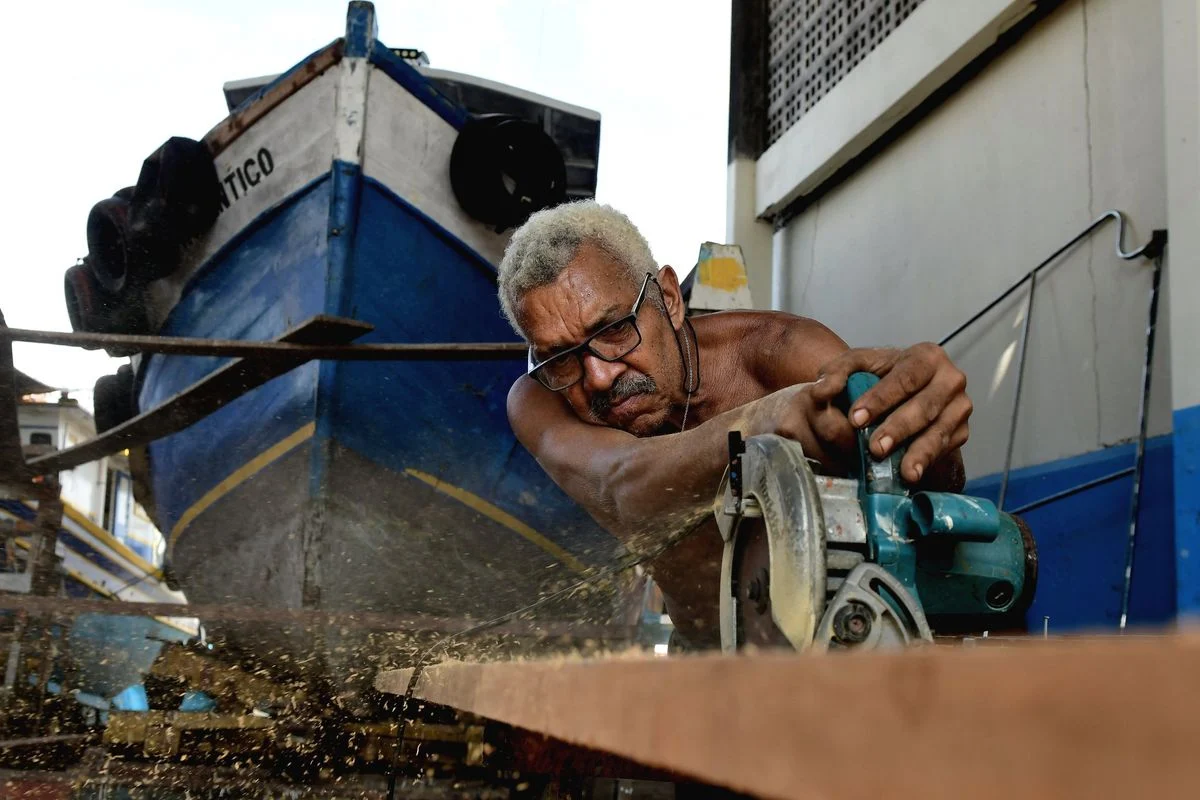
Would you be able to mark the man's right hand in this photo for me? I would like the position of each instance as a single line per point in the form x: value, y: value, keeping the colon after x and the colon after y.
x: 922, y: 394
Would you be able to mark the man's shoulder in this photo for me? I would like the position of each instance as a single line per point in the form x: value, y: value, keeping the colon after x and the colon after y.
x: 777, y: 348
x: 521, y: 395
x: 756, y: 330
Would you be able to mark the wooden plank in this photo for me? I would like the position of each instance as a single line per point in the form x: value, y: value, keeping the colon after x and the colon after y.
x: 1106, y: 717
x: 203, y: 397
x: 394, y: 681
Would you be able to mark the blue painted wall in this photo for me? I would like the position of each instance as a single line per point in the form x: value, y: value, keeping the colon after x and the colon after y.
x: 1187, y: 509
x: 1082, y: 539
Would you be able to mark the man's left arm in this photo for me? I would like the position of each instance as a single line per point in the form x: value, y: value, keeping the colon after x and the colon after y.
x: 921, y: 393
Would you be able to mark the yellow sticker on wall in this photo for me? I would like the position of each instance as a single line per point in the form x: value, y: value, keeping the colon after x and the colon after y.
x: 723, y: 273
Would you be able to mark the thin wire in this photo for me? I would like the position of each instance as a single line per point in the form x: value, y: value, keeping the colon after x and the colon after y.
x: 687, y: 404
x: 1074, y: 490
x: 1016, y: 406
x: 135, y: 582
x: 1149, y: 249
x: 1140, y: 458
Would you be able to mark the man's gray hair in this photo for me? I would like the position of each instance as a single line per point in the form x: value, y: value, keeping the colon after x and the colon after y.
x: 543, y: 247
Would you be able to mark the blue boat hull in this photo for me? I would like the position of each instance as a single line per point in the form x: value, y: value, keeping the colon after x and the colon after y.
x: 360, y: 486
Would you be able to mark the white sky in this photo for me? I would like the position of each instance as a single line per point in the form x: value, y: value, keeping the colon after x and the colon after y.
x: 93, y: 87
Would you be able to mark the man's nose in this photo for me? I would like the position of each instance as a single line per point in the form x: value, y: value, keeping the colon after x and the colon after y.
x: 598, y: 374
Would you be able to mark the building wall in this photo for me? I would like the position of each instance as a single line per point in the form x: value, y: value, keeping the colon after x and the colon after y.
x: 1181, y: 51
x: 1065, y: 124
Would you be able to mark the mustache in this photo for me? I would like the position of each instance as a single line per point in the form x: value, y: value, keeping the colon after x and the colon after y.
x: 623, y: 387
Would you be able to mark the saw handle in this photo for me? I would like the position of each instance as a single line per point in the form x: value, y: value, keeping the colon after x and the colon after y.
x: 877, y: 476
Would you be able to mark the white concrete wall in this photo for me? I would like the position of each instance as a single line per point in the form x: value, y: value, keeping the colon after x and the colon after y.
x: 743, y: 227
x: 1181, y: 38
x: 1066, y: 124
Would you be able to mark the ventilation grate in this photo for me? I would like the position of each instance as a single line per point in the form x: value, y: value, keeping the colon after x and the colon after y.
x: 813, y: 44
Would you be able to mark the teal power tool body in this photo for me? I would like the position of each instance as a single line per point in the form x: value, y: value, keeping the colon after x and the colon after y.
x: 817, y: 562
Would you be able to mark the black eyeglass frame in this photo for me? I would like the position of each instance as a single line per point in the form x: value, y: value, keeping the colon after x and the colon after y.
x: 535, y: 369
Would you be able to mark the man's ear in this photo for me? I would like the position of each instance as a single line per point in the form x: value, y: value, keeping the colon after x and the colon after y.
x: 672, y: 295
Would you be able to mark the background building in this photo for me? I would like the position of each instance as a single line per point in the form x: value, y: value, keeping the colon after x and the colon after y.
x: 896, y: 164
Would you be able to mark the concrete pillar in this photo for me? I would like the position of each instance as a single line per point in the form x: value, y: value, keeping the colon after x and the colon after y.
x: 1181, y: 49
x: 747, y: 140
x: 743, y: 228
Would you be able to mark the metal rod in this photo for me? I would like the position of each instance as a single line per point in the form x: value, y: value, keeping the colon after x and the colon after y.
x: 366, y: 620
x: 176, y: 345
x: 1016, y: 407
x: 1083, y: 487
x: 1140, y: 460
x: 1096, y: 223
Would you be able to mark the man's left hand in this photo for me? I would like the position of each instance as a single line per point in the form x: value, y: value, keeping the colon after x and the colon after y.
x: 925, y: 393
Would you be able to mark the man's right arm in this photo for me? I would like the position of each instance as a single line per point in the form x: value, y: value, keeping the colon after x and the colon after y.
x: 642, y: 489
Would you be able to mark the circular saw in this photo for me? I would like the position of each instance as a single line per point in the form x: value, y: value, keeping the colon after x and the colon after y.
x: 863, y: 562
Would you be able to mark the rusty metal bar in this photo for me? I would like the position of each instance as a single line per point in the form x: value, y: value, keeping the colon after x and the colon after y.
x: 35, y: 741
x: 364, y: 620
x: 200, y: 399
x: 239, y: 348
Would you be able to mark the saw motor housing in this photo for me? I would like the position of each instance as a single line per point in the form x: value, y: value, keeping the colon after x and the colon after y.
x: 859, y: 562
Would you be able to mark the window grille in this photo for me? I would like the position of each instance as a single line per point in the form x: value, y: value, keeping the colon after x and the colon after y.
x: 813, y: 44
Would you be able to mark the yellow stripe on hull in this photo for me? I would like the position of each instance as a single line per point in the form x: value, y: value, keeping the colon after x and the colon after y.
x: 281, y: 448
x: 240, y: 476
x: 500, y: 516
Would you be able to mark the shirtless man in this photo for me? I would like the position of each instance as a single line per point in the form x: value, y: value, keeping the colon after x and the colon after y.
x: 628, y: 403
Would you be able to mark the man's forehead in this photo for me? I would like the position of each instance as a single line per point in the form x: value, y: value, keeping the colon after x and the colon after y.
x: 592, y: 291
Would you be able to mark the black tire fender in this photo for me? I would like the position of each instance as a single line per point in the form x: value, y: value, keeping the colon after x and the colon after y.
x: 113, y: 399
x: 503, y: 169
x: 177, y: 198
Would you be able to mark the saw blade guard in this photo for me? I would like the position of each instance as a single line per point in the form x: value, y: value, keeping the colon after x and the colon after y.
x: 770, y: 469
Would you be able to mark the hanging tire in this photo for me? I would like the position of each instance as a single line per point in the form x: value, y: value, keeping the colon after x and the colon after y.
x: 177, y: 198
x: 94, y: 309
x: 113, y: 399
x: 107, y: 238
x: 503, y: 169
x: 84, y: 295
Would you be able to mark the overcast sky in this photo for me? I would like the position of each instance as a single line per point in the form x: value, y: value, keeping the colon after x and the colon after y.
x: 93, y: 87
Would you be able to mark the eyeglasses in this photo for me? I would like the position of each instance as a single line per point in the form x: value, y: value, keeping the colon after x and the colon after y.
x: 611, y: 343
